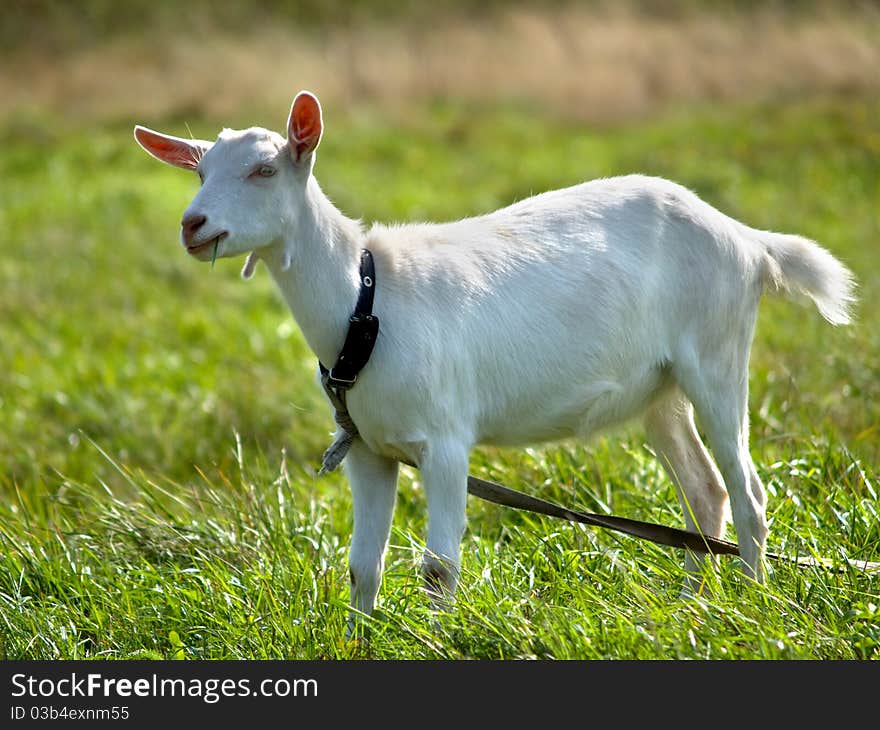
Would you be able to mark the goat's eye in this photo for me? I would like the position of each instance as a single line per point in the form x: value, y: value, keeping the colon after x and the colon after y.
x: 263, y: 171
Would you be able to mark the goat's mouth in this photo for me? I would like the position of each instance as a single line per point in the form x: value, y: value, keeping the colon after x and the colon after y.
x: 195, y: 249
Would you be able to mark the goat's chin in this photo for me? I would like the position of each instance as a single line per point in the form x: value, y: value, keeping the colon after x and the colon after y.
x: 204, y: 254
x: 233, y: 248
x: 226, y: 248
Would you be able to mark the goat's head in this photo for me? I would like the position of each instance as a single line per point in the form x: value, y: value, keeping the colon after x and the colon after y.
x: 253, y: 181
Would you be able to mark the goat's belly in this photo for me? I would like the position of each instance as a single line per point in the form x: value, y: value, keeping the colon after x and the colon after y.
x: 580, y: 411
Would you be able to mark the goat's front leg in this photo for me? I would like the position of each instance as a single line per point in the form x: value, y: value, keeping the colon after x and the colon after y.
x: 373, y: 481
x: 444, y: 469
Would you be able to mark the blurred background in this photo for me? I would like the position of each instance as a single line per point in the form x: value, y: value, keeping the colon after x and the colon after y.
x: 596, y: 61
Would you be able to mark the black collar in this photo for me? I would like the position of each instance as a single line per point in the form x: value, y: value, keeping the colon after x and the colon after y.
x: 363, y: 329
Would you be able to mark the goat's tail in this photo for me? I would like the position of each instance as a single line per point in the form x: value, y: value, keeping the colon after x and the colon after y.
x: 796, y: 263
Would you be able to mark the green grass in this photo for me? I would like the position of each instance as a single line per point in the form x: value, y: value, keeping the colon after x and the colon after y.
x: 160, y: 424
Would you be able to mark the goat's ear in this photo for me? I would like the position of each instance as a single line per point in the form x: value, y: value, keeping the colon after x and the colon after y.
x: 184, y: 153
x: 304, y: 126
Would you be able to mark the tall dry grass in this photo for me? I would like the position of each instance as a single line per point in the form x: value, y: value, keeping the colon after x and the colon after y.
x: 598, y: 63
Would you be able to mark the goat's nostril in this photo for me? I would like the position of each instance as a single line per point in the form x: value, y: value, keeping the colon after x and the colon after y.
x: 191, y: 223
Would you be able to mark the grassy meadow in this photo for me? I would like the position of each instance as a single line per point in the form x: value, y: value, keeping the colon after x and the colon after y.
x: 161, y: 426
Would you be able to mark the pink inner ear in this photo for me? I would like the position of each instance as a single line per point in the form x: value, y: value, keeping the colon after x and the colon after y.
x: 305, y: 125
x: 171, y: 150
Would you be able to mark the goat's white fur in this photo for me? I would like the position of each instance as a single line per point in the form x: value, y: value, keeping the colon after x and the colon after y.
x: 562, y: 314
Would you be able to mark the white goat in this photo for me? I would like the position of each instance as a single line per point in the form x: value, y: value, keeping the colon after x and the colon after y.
x: 562, y: 314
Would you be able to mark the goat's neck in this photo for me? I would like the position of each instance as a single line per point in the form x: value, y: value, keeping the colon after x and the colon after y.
x: 316, y: 267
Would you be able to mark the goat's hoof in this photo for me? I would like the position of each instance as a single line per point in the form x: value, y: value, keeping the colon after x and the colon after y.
x: 357, y: 631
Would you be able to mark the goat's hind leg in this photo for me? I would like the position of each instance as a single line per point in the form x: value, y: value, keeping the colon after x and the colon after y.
x: 671, y: 432
x: 720, y: 398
